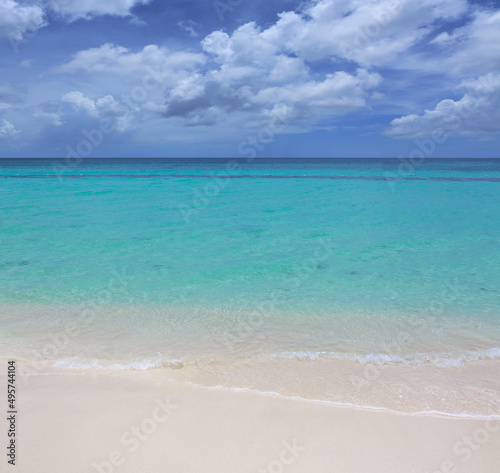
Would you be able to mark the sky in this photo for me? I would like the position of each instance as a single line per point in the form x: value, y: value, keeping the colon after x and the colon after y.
x: 241, y: 78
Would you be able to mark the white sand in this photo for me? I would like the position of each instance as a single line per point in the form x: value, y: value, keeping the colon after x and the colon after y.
x: 81, y: 421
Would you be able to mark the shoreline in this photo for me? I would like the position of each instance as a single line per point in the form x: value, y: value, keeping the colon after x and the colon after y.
x: 461, y: 384
x: 458, y: 392
x: 138, y: 421
x: 353, y: 406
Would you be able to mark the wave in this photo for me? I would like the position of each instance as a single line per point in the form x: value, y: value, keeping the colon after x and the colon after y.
x: 349, y: 404
x: 137, y: 365
x: 217, y: 371
x: 438, y: 359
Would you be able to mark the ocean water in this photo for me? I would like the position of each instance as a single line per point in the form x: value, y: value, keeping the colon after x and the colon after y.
x: 363, y: 282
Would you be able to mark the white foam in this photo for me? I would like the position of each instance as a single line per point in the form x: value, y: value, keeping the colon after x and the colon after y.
x: 138, y: 365
x: 348, y: 404
x: 438, y: 359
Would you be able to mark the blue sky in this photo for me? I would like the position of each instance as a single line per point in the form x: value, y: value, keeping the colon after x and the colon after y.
x: 229, y: 78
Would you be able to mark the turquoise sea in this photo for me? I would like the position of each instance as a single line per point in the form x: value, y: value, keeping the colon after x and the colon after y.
x: 322, y: 270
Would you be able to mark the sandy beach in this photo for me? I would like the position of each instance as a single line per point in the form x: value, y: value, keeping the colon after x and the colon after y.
x: 250, y: 236
x: 138, y: 421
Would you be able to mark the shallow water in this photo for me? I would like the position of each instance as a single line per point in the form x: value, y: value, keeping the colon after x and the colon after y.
x: 307, y: 268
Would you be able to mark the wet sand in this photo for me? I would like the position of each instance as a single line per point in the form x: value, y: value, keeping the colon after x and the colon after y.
x: 139, y: 421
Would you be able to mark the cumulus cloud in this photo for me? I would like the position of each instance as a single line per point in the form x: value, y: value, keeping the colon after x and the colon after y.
x: 80, y: 102
x: 254, y: 70
x: 473, y: 48
x: 338, y: 93
x: 119, y: 114
x: 325, y: 60
x: 369, y: 32
x: 75, y: 9
x: 112, y: 59
x: 251, y: 72
x: 7, y: 129
x: 399, y: 34
x: 17, y: 19
x: 477, y: 112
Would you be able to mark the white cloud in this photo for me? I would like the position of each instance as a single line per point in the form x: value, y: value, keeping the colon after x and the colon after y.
x: 253, y: 70
x: 148, y: 72
x: 369, y: 32
x: 189, y: 26
x: 254, y: 73
x: 338, y: 93
x: 17, y: 19
x: 75, y: 9
x: 112, y: 59
x: 323, y: 61
x: 473, y: 48
x: 188, y: 88
x: 288, y: 68
x: 477, y: 112
x: 80, y: 102
x: 218, y: 43
x: 103, y: 107
x: 7, y: 129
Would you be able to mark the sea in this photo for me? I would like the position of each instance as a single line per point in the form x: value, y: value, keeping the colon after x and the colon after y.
x: 372, y: 283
